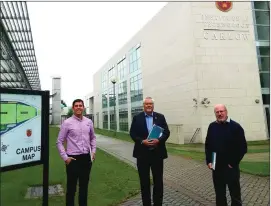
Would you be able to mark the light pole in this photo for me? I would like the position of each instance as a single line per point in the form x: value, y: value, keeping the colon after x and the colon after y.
x: 114, y: 80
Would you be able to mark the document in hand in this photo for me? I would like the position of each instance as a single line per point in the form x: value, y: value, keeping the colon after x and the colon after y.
x: 213, y: 160
x: 156, y: 132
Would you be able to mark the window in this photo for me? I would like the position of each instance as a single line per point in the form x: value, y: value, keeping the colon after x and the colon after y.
x: 112, y: 120
x: 122, y: 69
x: 136, y: 90
x: 262, y: 17
x: 265, y: 80
x: 105, y: 120
x: 104, y: 80
x: 111, y: 73
x: 266, y: 98
x: 134, y: 59
x: 123, y: 120
x: 122, y: 93
x: 111, y: 97
x: 261, y: 21
x: 104, y: 100
x: 263, y: 32
x: 264, y: 58
x: 261, y: 5
x: 136, y: 110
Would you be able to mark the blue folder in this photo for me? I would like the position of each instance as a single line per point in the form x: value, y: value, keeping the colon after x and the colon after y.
x: 156, y: 132
x: 213, y: 160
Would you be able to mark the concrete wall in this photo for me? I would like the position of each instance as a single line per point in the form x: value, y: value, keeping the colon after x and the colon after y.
x: 185, y: 60
x: 56, y: 101
x: 227, y: 67
x: 97, y: 93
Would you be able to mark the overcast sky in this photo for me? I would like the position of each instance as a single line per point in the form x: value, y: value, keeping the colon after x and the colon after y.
x: 74, y: 39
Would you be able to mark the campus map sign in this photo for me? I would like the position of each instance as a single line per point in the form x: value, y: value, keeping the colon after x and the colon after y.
x: 20, y: 128
x: 24, y: 132
x: 24, y: 124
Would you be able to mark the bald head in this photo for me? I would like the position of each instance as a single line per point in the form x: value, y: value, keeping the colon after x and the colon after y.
x: 220, y: 106
x: 221, y: 112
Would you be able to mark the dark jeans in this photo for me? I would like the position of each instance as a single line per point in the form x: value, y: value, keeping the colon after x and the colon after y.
x: 78, y: 169
x: 231, y: 177
x: 156, y: 165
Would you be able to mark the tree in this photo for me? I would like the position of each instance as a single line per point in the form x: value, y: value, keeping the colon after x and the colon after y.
x: 64, y: 103
x: 70, y: 112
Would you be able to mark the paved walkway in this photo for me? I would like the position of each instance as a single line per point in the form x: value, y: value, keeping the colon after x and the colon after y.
x: 187, y: 182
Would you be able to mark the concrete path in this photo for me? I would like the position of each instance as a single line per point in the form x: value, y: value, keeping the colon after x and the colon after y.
x: 188, y: 182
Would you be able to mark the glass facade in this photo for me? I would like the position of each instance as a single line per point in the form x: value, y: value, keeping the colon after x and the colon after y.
x: 19, y: 67
x: 123, y: 120
x: 104, y: 100
x: 122, y: 70
x: 112, y: 120
x: 111, y: 97
x: 111, y: 73
x: 262, y: 20
x: 134, y: 59
x: 122, y: 93
x: 261, y: 14
x: 136, y: 90
x: 128, y: 73
x: 136, y: 110
x: 105, y: 120
x: 104, y: 80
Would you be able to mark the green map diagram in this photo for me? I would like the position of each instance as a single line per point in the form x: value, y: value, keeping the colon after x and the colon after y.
x: 15, y: 113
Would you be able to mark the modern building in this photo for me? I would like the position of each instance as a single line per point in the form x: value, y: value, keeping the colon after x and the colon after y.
x: 189, y: 57
x: 19, y: 67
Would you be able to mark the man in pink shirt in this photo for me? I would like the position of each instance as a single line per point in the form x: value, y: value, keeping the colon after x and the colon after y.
x: 78, y: 132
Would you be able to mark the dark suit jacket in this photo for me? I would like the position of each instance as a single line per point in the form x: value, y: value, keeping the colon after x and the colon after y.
x: 139, y: 132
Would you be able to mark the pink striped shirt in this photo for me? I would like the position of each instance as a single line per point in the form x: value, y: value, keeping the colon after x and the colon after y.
x: 79, y: 135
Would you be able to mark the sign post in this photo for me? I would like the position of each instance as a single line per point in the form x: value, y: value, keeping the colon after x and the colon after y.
x: 24, y: 130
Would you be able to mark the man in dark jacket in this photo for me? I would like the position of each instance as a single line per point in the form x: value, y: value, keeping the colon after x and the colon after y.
x: 226, y: 139
x: 149, y: 154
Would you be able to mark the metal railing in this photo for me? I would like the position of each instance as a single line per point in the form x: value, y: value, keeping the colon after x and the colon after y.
x: 194, y: 135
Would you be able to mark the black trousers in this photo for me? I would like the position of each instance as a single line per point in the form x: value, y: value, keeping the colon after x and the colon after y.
x: 156, y: 165
x: 78, y: 169
x: 231, y: 177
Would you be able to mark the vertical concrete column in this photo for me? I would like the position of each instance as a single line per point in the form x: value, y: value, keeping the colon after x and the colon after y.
x: 56, y: 101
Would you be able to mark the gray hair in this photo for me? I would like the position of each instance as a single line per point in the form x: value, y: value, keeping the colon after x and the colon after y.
x: 148, y: 98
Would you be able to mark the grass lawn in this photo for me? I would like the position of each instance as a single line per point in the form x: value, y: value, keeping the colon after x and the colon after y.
x: 253, y: 163
x: 112, y: 181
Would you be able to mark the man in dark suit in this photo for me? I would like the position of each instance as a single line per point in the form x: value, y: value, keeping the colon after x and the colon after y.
x: 226, y: 138
x: 149, y: 154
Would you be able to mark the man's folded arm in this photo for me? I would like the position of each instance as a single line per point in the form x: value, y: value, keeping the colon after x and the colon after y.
x: 60, y: 140
x: 166, y: 132
x: 133, y: 132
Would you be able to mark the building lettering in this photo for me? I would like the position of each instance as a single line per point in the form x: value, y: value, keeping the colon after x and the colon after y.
x: 225, y: 36
x: 224, y: 18
x: 220, y: 25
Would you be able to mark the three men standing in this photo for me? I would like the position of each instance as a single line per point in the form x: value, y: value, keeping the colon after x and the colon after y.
x: 226, y: 138
x: 149, y: 154
x: 79, y: 135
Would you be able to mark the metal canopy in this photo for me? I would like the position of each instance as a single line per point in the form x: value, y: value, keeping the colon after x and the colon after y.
x: 19, y: 67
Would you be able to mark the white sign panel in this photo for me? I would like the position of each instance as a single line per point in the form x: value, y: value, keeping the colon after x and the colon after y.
x: 20, y: 129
